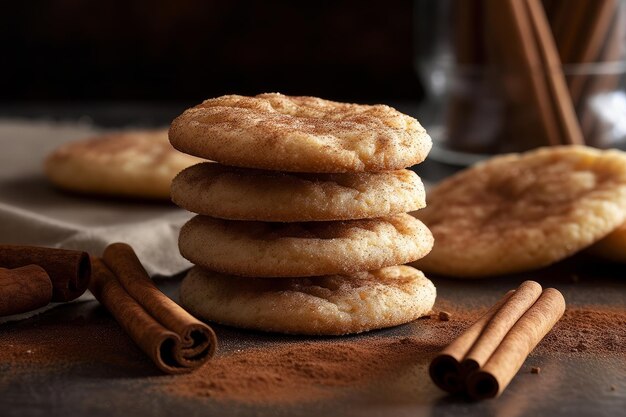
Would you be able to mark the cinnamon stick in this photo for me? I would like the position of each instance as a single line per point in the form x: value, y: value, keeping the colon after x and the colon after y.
x: 568, y: 21
x: 171, y: 337
x: 594, y: 35
x: 558, y: 92
x: 69, y: 270
x: 500, y: 324
x: 518, y: 54
x: 508, y: 358
x: 596, y: 84
x: 24, y: 289
x: 589, y: 31
x: 445, y: 369
x: 484, y: 359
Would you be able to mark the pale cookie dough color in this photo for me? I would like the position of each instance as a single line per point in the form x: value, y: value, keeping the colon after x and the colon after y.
x: 259, y: 249
x: 300, y: 134
x: 612, y: 247
x: 138, y: 164
x: 246, y: 194
x: 328, y: 305
x: 524, y: 211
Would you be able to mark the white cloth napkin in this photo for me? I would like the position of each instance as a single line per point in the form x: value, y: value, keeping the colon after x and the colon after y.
x: 34, y: 213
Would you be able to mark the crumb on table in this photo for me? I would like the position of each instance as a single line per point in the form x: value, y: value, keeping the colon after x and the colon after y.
x: 444, y: 316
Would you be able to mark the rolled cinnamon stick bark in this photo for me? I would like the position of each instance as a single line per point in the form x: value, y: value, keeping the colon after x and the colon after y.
x: 175, y: 340
x: 24, y: 289
x: 445, y: 369
x: 593, y: 33
x: 516, y: 52
x: 598, y: 133
x: 69, y: 270
x: 508, y: 358
x: 566, y: 119
x: 500, y: 324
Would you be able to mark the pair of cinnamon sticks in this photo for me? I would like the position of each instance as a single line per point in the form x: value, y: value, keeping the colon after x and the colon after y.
x: 175, y: 340
x: 31, y: 277
x: 483, y: 360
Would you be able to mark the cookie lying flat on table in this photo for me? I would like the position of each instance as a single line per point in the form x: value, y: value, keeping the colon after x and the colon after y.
x: 259, y: 249
x: 328, y: 305
x: 300, y: 134
x: 137, y: 164
x: 248, y: 194
x: 612, y: 247
x: 524, y: 211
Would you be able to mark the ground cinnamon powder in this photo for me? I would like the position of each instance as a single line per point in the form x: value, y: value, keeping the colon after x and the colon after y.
x: 298, y: 371
x: 282, y: 371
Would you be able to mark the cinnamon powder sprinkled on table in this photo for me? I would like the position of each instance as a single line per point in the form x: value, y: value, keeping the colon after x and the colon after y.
x: 294, y: 370
x: 298, y: 371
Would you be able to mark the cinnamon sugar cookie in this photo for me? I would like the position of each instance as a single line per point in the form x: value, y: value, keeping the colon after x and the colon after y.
x: 300, y: 134
x: 138, y: 164
x: 259, y: 249
x: 247, y: 194
x: 327, y: 305
x: 524, y: 211
x: 612, y: 247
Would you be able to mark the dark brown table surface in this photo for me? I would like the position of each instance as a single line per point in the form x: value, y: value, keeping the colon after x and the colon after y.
x: 574, y: 384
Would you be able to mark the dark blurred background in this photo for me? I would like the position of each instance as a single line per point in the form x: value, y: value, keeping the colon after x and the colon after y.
x: 189, y: 50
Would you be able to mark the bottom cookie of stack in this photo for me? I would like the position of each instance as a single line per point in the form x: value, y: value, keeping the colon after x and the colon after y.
x: 325, y: 305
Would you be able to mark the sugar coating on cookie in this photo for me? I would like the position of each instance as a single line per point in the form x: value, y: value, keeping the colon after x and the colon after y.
x: 261, y: 249
x: 247, y: 194
x: 524, y: 211
x: 300, y: 134
x: 327, y: 305
x: 138, y: 164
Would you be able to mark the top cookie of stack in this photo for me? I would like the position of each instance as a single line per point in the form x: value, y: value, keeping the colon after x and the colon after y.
x: 302, y: 187
x: 300, y: 134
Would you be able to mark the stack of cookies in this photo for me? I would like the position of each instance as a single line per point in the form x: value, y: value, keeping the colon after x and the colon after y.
x: 302, y: 224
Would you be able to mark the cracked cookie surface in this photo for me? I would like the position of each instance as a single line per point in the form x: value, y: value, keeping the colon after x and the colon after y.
x: 139, y: 164
x: 521, y: 212
x: 248, y: 194
x: 300, y: 134
x: 326, y: 305
x: 261, y: 249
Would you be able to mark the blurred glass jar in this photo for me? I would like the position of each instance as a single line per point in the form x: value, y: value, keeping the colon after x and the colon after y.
x: 480, y: 107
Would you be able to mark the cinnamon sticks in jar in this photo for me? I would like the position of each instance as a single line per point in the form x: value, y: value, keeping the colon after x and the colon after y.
x: 523, y: 44
x: 484, y: 359
x: 174, y: 340
x: 532, y: 73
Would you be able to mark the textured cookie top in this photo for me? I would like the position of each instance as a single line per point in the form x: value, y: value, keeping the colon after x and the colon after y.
x: 300, y: 134
x: 261, y: 249
x: 140, y: 163
x: 524, y: 211
x: 125, y: 150
x: 327, y: 305
x: 248, y: 194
